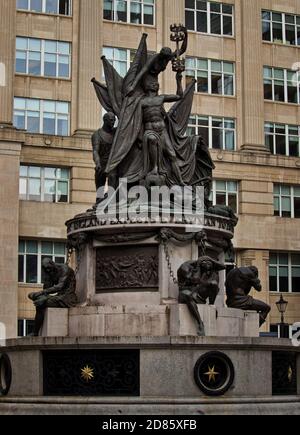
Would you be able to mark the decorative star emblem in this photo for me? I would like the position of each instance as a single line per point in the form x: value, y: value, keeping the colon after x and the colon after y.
x: 87, y: 373
x: 212, y: 374
x: 290, y: 374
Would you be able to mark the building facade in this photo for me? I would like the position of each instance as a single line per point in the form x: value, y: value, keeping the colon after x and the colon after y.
x: 244, y: 55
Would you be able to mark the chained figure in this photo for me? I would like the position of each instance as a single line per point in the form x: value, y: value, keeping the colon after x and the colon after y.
x: 198, y: 282
x: 58, y: 292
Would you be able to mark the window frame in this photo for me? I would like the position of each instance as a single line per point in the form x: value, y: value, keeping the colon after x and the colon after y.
x: 210, y: 72
x: 285, y: 81
x: 39, y: 256
x: 43, y: 11
x: 43, y: 54
x: 215, y: 191
x: 143, y: 3
x: 287, y: 136
x: 42, y: 180
x: 42, y: 112
x: 208, y: 19
x: 290, y: 269
x: 197, y: 126
x: 292, y: 197
x: 284, y: 25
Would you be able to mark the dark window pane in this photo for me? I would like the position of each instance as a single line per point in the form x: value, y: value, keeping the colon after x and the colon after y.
x: 297, y: 207
x: 49, y: 124
x: 228, y: 85
x: 279, y: 92
x: 21, y: 62
x: 292, y: 94
x: 202, y: 84
x: 190, y: 4
x: 266, y: 31
x: 29, y: 327
x: 268, y: 90
x: 227, y: 25
x: 280, y: 145
x: 31, y: 269
x: 270, y: 143
x: 217, y: 139
x: 21, y: 268
x: 277, y: 32
x: 283, y: 279
x: 189, y: 20
x: 232, y: 202
x: 148, y: 15
x: 290, y: 35
x: 273, y: 283
x: 215, y: 7
x: 227, y: 9
x: 204, y: 132
x: 294, y: 146
x: 215, y: 24
x: 221, y: 199
x: 296, y: 279
x: 216, y: 83
x: 108, y: 10
x: 202, y: 22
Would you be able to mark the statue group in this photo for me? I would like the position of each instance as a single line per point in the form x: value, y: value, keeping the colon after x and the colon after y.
x: 150, y: 147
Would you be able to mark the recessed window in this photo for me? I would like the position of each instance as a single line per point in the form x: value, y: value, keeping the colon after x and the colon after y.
x: 212, y: 76
x: 281, y: 28
x: 31, y: 255
x: 218, y: 133
x: 42, y: 116
x: 209, y: 17
x: 225, y: 192
x: 25, y: 327
x: 283, y: 139
x: 44, y: 184
x: 284, y: 272
x: 287, y: 201
x: 281, y: 85
x: 43, y: 57
x: 57, y: 7
x: 130, y: 11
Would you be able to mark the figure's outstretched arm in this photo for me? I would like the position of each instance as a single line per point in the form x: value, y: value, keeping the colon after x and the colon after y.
x: 179, y: 96
x: 96, y: 151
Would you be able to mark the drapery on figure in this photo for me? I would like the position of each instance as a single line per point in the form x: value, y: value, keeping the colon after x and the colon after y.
x: 238, y: 286
x: 102, y: 141
x: 198, y: 282
x: 59, y: 291
x: 183, y: 160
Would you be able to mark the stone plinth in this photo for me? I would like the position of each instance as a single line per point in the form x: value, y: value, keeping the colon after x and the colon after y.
x: 148, y: 320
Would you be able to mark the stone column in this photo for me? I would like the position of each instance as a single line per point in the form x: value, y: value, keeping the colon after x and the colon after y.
x: 89, y: 66
x: 7, y: 56
x: 10, y: 149
x: 252, y: 78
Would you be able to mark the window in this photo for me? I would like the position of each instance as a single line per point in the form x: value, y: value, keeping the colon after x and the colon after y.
x: 31, y: 255
x: 43, y: 58
x: 44, y: 184
x: 284, y: 273
x: 212, y: 76
x: 57, y: 7
x: 209, y: 17
x: 281, y: 28
x: 42, y: 116
x: 225, y: 193
x: 218, y: 133
x: 281, y: 85
x: 25, y: 327
x: 130, y: 11
x: 275, y: 331
x: 283, y: 139
x: 287, y: 201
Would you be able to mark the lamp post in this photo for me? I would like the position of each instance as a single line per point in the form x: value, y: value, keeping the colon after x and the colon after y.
x: 282, y: 307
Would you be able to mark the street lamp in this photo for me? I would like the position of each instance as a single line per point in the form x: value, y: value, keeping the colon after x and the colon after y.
x: 282, y: 307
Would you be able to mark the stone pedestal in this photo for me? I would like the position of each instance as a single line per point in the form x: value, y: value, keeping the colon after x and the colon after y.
x: 148, y: 321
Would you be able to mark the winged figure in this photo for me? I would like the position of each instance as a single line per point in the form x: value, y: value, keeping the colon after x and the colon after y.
x: 150, y: 142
